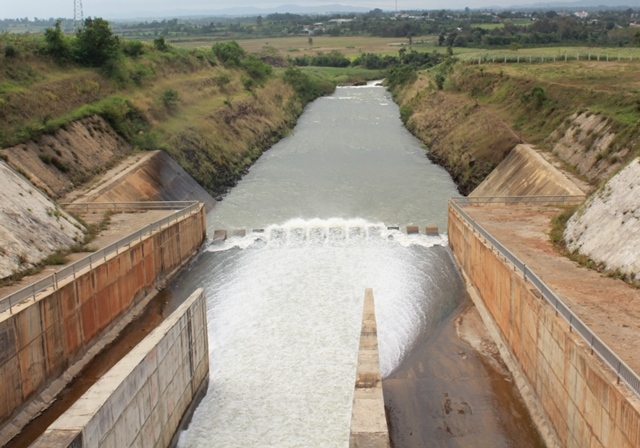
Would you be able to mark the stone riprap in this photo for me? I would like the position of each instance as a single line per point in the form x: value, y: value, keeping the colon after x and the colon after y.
x: 607, y: 227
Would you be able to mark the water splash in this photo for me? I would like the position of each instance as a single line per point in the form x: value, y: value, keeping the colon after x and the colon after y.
x: 334, y: 231
x: 284, y: 322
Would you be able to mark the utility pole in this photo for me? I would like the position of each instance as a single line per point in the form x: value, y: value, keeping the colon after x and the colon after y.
x: 78, y: 15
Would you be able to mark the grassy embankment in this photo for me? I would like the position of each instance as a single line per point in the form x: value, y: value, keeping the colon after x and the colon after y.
x: 214, y: 118
x: 482, y: 111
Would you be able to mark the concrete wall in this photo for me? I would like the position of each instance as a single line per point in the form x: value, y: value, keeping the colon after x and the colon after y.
x: 154, y: 177
x: 142, y: 399
x: 40, y: 341
x: 524, y: 172
x: 577, y: 392
x: 368, y: 422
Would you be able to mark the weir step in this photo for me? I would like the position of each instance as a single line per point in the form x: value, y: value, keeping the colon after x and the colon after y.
x: 221, y: 235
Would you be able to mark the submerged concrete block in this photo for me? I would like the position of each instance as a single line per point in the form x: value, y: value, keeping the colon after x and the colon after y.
x: 219, y: 236
x: 412, y: 230
x: 432, y: 230
x: 240, y: 233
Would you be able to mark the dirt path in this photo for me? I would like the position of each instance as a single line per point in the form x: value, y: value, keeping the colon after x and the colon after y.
x: 610, y: 307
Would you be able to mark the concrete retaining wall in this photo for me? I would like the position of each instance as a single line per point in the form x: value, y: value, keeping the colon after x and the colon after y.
x: 142, y: 399
x: 42, y: 342
x: 576, y: 390
x: 155, y: 177
x: 524, y: 172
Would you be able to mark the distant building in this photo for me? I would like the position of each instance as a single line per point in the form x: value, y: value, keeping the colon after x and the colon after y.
x: 581, y: 14
x: 340, y: 21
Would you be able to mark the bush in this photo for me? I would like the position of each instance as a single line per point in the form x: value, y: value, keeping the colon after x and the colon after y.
x: 169, y: 98
x: 536, y: 97
x: 248, y: 83
x: 331, y: 59
x: 95, y: 43
x: 10, y: 51
x: 229, y: 53
x: 133, y: 48
x: 222, y: 81
x: 256, y: 69
x: 306, y: 88
x: 401, y: 75
x: 440, y: 79
x: 160, y: 44
x: 56, y: 44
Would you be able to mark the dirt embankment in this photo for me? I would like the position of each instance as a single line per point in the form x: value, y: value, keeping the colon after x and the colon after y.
x: 460, y: 135
x: 71, y: 156
x: 484, y: 111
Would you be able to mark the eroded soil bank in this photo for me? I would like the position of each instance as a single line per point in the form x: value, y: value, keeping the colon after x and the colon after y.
x: 455, y: 391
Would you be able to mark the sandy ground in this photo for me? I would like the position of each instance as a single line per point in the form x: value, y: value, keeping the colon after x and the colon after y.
x: 121, y: 225
x: 455, y: 391
x: 610, y: 307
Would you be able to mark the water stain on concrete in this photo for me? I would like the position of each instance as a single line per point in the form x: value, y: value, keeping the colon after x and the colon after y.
x: 135, y: 332
x: 454, y: 391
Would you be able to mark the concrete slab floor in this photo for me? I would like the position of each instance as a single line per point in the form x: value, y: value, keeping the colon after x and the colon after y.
x: 610, y: 307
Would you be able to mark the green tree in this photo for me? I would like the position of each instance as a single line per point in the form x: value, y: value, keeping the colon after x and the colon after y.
x: 95, y: 43
x: 56, y: 43
x: 160, y: 44
x: 229, y: 53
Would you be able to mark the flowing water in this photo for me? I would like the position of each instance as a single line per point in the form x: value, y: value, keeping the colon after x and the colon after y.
x: 285, y: 302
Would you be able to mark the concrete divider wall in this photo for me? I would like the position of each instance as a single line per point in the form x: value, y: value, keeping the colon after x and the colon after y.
x: 142, y: 399
x: 41, y: 340
x: 368, y: 422
x: 578, y: 393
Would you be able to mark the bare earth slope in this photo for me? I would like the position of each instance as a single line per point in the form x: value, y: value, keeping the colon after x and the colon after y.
x: 59, y: 162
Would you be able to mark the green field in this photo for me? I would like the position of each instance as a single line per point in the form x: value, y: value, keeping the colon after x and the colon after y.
x: 350, y: 46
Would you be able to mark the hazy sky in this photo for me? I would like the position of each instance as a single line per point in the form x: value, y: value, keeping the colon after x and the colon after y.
x: 158, y: 8
x: 154, y: 8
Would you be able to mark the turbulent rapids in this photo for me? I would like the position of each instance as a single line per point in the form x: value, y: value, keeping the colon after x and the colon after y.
x: 284, y: 321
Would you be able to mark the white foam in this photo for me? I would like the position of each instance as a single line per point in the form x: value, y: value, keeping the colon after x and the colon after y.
x: 284, y: 310
x: 333, y: 231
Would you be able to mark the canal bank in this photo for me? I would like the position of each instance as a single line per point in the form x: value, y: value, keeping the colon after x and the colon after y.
x: 49, y: 337
x: 583, y: 400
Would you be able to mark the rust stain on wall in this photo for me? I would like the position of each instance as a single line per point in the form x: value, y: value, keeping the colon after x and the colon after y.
x: 38, y: 343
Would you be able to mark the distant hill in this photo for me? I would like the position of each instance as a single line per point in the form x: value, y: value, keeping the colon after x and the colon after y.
x: 576, y: 5
x: 241, y: 11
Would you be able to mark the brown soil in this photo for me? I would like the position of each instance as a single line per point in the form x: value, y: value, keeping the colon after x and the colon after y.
x: 610, y: 307
x: 455, y: 391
